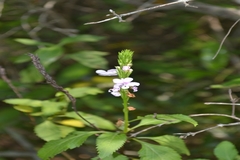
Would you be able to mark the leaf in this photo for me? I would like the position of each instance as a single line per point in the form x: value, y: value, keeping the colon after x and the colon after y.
x: 50, y: 131
x: 97, y: 121
x: 229, y: 84
x: 30, y: 75
x: 72, y: 123
x: 25, y: 102
x: 51, y: 107
x: 152, y: 151
x: 115, y: 156
x: 83, y: 91
x: 54, y: 147
x: 80, y: 38
x: 107, y: 143
x: 92, y: 59
x: 30, y: 42
x: 164, y: 119
x: 225, y: 151
x: 25, y: 109
x: 172, y: 142
x: 49, y: 55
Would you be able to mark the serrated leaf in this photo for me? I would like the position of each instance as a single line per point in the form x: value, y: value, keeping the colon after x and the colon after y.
x: 164, y: 119
x: 225, y: 151
x: 92, y: 59
x: 49, y: 55
x: 50, y: 131
x: 25, y: 102
x: 96, y: 120
x: 30, y: 42
x: 108, y: 143
x: 229, y: 84
x: 83, y: 91
x: 152, y: 151
x: 80, y: 38
x: 173, y: 142
x: 73, y: 140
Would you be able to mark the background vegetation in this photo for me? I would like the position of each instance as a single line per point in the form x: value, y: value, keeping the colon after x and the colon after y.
x: 173, y: 62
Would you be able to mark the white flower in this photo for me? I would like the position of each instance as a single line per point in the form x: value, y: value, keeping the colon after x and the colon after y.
x: 110, y: 72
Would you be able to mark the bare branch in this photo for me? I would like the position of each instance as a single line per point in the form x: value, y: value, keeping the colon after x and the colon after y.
x: 1, y: 6
x: 53, y: 83
x: 185, y: 135
x: 185, y: 2
x: 5, y: 78
x: 229, y: 31
x: 214, y: 114
x: 221, y: 103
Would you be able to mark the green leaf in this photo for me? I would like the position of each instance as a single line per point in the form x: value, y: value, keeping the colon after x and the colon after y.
x: 152, y: 151
x: 115, y: 156
x: 25, y: 109
x: 73, y: 140
x: 24, y: 102
x: 97, y: 121
x: 229, y: 84
x: 80, y: 38
x: 83, y: 91
x: 225, y: 151
x: 30, y: 75
x: 50, y: 131
x: 49, y: 55
x: 172, y: 142
x: 50, y: 107
x: 164, y: 119
x: 30, y: 42
x: 107, y: 143
x: 92, y: 59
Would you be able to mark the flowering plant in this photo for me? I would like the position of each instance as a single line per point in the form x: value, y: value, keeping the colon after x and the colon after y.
x: 109, y: 141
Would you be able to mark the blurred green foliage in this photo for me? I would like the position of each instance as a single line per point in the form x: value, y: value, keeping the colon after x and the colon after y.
x: 172, y: 61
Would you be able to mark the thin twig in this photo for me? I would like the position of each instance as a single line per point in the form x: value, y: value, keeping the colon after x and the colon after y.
x: 185, y: 135
x: 1, y: 6
x: 221, y: 44
x: 5, y: 78
x: 214, y: 114
x: 119, y: 16
x: 222, y: 103
x: 53, y: 83
x: 233, y: 100
x: 146, y: 129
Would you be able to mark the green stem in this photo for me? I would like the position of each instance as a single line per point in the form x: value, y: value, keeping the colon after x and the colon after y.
x: 125, y: 111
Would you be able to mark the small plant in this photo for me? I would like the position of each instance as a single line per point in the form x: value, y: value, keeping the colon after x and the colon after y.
x: 110, y: 140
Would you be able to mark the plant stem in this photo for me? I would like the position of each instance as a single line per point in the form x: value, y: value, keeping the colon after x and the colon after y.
x: 125, y: 111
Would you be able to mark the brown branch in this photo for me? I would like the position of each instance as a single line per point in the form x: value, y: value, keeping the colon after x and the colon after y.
x: 53, y: 83
x: 5, y: 78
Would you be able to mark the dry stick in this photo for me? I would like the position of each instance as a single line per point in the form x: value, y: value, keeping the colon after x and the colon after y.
x: 221, y: 103
x: 221, y: 44
x: 5, y: 78
x: 233, y: 100
x: 214, y: 114
x: 185, y: 135
x: 52, y: 82
x: 119, y: 16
